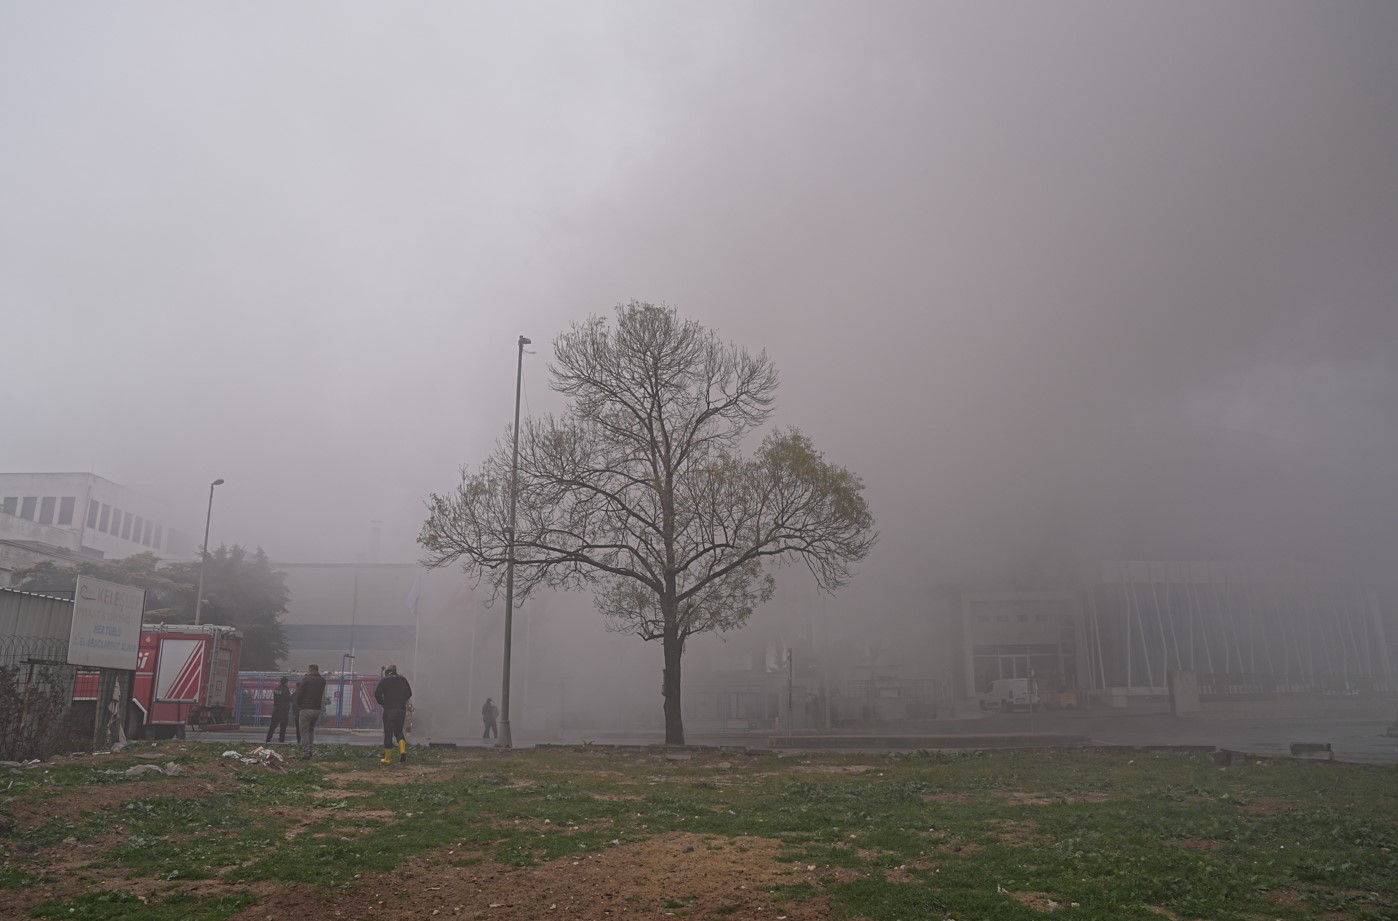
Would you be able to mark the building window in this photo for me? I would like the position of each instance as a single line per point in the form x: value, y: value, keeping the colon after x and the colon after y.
x: 93, y: 507
x: 125, y: 525
x: 145, y: 536
x: 158, y: 536
x: 26, y: 507
x: 46, y: 506
x: 106, y: 516
x: 65, y: 510
x: 137, y: 529
x: 9, y: 505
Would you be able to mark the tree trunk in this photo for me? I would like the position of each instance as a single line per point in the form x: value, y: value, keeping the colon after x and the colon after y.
x: 674, y: 720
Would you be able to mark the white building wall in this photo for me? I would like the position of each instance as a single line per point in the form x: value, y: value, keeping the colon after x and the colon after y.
x: 97, y: 514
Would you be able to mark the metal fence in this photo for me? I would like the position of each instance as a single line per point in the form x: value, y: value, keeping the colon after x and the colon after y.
x: 21, y: 650
x: 1240, y: 685
x: 36, y: 690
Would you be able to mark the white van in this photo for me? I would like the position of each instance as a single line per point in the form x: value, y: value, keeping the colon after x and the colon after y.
x: 1010, y: 694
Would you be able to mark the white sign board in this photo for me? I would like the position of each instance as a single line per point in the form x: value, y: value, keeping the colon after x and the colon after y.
x: 106, y: 624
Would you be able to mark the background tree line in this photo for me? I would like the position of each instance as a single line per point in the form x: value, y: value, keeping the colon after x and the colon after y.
x: 241, y: 589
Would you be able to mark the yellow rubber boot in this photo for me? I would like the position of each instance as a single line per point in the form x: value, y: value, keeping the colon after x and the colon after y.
x: 402, y: 749
x: 387, y: 756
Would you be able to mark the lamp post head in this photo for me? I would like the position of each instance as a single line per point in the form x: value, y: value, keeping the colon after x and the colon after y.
x: 218, y: 482
x: 525, y: 340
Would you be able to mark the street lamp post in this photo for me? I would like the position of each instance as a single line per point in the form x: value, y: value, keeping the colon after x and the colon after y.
x: 204, y: 556
x: 505, y: 741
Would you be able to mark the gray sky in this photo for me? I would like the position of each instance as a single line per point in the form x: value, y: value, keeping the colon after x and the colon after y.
x: 1058, y: 279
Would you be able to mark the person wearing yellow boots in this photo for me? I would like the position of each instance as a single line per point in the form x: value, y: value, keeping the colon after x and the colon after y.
x: 393, y: 694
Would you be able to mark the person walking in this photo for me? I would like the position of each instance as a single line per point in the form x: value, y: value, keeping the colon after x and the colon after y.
x: 310, y: 697
x: 393, y: 694
x: 489, y: 713
x: 281, y: 706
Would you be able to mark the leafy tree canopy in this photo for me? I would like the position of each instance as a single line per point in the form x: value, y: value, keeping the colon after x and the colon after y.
x: 241, y: 589
x: 641, y: 492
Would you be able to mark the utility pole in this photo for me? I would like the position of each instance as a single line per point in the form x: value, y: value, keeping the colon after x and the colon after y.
x: 790, y: 674
x: 204, y: 556
x: 505, y: 740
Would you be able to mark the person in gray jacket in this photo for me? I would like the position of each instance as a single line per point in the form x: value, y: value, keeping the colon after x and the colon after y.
x: 310, y: 698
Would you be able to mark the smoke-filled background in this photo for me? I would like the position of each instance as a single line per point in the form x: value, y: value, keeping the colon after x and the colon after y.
x: 1062, y: 283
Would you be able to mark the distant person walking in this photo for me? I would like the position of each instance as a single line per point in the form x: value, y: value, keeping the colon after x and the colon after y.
x: 489, y: 713
x: 281, y: 706
x: 393, y: 694
x: 310, y: 697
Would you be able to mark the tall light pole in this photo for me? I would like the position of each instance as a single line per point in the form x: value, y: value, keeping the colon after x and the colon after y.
x: 505, y: 741
x: 204, y: 556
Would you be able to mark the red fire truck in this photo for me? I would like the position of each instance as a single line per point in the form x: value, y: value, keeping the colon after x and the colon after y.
x: 186, y: 676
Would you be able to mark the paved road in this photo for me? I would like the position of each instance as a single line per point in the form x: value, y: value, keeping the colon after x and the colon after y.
x: 1354, y: 731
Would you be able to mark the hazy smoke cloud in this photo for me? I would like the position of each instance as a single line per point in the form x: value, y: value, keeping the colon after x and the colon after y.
x: 1059, y: 283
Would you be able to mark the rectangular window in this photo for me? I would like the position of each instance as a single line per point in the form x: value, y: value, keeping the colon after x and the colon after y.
x: 158, y: 535
x: 126, y: 525
x: 106, y: 517
x: 65, y: 510
x: 116, y: 522
x: 46, y: 507
x: 9, y: 505
x: 150, y: 526
x: 137, y: 528
x: 26, y: 507
x: 93, y: 507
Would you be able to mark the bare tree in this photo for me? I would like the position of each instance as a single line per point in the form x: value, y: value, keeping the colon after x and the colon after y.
x: 640, y: 490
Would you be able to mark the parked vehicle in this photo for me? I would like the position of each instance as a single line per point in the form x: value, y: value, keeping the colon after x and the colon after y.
x: 185, y: 679
x: 349, y: 699
x: 1011, y: 694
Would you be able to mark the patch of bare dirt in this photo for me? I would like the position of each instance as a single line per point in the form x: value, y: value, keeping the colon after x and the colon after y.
x: 76, y: 801
x: 1013, y: 832
x: 395, y: 774
x: 831, y: 768
x: 1021, y: 798
x: 1196, y: 844
x: 68, y: 874
x: 903, y: 873
x: 1039, y: 901
x: 337, y: 794
x: 731, y: 878
x: 1266, y: 805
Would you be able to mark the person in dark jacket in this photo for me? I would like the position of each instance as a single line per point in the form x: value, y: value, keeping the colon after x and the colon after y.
x: 281, y: 706
x: 489, y: 713
x: 310, y: 698
x: 393, y: 694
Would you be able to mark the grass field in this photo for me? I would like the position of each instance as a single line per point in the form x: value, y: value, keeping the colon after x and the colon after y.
x: 593, y: 832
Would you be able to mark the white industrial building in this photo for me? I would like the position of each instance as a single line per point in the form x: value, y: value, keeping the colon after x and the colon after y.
x: 73, y: 516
